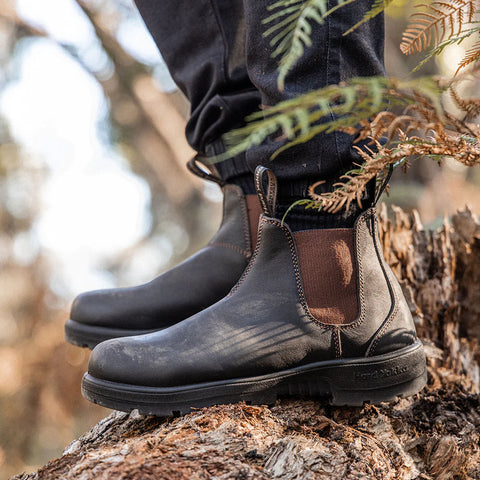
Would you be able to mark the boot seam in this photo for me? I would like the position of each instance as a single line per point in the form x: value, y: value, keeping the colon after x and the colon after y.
x: 394, y: 298
x: 251, y: 262
x: 362, y: 314
x: 395, y: 302
x: 261, y: 197
x: 298, y: 277
x: 246, y: 251
x: 338, y: 347
x: 361, y: 318
x: 368, y: 215
x: 231, y: 247
x: 301, y: 293
x: 244, y: 213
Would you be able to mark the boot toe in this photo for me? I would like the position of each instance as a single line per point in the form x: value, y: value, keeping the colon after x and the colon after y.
x: 108, y: 361
x: 122, y: 308
x: 89, y: 308
x: 126, y: 360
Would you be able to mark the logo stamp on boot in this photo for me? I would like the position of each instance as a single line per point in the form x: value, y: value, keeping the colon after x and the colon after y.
x: 382, y: 373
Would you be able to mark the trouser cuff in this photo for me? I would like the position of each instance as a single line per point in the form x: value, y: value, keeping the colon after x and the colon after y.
x: 234, y: 170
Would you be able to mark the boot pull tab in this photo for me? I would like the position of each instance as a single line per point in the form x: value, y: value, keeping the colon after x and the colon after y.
x: 193, y: 166
x: 267, y: 194
x: 384, y: 184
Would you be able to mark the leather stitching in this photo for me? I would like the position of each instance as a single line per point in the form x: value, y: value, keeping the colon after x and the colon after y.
x: 333, y: 328
x: 261, y: 196
x: 298, y: 277
x: 361, y: 287
x: 361, y: 284
x: 362, y: 316
x: 244, y: 211
x: 232, y: 247
x: 396, y: 302
x: 336, y: 339
x: 296, y: 267
x: 247, y: 251
x: 252, y: 260
x: 361, y: 281
x: 246, y: 222
x: 272, y: 192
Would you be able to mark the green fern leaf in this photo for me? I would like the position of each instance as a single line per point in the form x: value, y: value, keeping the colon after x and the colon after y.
x: 377, y: 8
x: 292, y: 28
x: 326, y: 110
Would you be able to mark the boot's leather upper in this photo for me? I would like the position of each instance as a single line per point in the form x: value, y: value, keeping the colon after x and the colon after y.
x: 264, y: 325
x: 184, y: 290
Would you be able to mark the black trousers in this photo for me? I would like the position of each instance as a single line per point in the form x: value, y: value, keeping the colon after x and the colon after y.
x: 218, y: 56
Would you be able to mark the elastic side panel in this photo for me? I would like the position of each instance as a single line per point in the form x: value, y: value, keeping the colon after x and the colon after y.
x: 254, y: 211
x: 327, y: 265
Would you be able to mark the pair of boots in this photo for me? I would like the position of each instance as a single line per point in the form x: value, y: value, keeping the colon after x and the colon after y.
x: 315, y: 312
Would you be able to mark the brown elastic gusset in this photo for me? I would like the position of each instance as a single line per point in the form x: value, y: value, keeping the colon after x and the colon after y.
x: 329, y: 274
x: 254, y: 210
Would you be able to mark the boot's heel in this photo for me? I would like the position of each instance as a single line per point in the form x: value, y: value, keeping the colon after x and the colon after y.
x: 357, y: 398
x: 379, y: 379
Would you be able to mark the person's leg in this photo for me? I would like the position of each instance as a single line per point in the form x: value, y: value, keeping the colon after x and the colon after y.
x: 317, y: 310
x: 203, y: 45
x: 219, y: 57
x: 330, y: 59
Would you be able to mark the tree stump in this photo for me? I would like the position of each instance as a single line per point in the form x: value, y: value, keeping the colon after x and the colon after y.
x: 433, y: 435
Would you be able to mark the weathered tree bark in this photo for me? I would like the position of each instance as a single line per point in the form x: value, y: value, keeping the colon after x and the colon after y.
x: 434, y: 435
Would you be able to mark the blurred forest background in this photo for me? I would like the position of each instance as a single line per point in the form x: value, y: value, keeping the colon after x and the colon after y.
x: 94, y: 193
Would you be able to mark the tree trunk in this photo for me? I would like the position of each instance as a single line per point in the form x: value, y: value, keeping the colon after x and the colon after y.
x: 433, y: 435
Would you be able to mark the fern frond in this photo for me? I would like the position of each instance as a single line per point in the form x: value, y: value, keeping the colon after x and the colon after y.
x: 447, y: 43
x: 465, y: 150
x: 442, y: 20
x: 291, y: 28
x: 423, y: 128
x: 469, y: 106
x: 330, y: 108
x: 419, y: 131
x: 472, y: 55
x: 377, y: 8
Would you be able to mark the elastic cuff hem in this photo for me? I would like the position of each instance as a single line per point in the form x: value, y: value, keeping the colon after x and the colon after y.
x: 228, y: 169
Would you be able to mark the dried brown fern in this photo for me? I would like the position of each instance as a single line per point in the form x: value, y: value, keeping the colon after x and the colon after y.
x: 419, y: 131
x: 472, y: 55
x: 469, y: 106
x: 441, y: 20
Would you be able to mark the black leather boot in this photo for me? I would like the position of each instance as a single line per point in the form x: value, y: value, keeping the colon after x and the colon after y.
x: 195, y: 284
x: 264, y: 340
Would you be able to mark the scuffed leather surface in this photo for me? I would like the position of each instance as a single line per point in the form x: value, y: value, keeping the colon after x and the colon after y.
x: 188, y: 288
x: 260, y: 328
x: 398, y: 330
x: 263, y: 326
x: 384, y: 315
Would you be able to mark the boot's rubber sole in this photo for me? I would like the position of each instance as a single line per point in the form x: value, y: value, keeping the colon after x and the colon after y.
x: 89, y: 336
x: 351, y: 382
